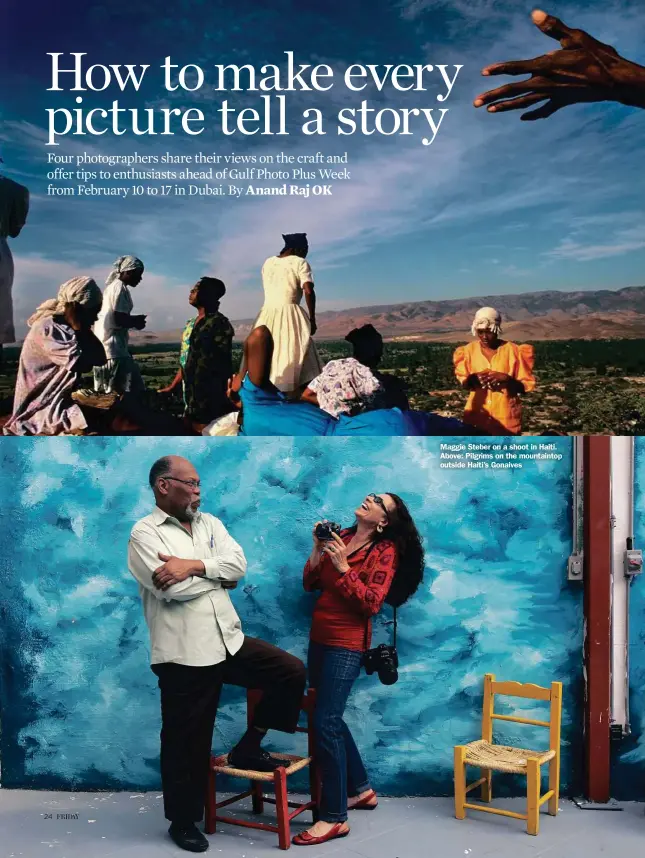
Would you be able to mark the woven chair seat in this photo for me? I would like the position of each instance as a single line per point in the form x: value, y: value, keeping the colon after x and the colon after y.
x: 221, y: 766
x: 503, y: 758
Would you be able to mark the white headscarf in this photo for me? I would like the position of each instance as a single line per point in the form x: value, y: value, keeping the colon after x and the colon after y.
x: 487, y: 319
x: 78, y: 290
x: 124, y: 263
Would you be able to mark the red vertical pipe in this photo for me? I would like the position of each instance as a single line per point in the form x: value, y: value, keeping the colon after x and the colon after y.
x: 597, y: 609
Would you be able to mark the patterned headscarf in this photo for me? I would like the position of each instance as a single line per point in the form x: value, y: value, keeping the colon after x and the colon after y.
x: 124, y: 263
x: 78, y: 290
x: 487, y: 319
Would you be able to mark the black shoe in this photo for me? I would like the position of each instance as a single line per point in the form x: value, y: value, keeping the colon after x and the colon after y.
x: 255, y: 761
x: 188, y: 837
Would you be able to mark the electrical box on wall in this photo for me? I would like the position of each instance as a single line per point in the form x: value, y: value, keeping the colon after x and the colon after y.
x: 575, y: 567
x: 633, y: 562
x: 618, y: 732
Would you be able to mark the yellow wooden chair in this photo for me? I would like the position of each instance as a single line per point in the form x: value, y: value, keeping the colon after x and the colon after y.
x: 489, y: 757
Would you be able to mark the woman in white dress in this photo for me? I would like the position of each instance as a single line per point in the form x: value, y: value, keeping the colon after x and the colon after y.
x: 286, y: 278
x: 121, y: 373
x: 14, y: 206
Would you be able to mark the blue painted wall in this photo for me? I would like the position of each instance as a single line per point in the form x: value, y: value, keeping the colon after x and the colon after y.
x: 628, y: 755
x: 79, y: 703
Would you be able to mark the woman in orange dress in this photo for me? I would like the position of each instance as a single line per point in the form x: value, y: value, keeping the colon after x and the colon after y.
x: 496, y: 373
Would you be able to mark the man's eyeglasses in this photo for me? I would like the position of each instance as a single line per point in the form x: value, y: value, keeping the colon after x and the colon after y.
x: 194, y: 484
x: 380, y: 502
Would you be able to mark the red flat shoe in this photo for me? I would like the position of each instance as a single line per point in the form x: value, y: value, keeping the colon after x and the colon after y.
x: 306, y: 839
x: 363, y: 803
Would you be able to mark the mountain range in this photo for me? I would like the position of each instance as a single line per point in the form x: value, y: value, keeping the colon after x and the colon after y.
x: 547, y: 315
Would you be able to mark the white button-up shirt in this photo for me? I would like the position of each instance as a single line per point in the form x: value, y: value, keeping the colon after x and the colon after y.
x: 193, y: 622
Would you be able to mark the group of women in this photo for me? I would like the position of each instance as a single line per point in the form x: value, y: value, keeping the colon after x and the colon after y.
x: 281, y: 372
x: 281, y: 387
x: 265, y: 410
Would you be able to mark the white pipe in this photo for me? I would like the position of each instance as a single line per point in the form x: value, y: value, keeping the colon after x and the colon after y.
x: 622, y: 512
x: 578, y: 494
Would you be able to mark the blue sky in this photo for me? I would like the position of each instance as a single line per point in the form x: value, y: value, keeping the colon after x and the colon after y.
x: 493, y: 206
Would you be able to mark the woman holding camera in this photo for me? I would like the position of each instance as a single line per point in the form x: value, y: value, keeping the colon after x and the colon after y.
x: 379, y: 558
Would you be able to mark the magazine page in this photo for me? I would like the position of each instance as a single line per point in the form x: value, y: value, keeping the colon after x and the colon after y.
x: 321, y: 412
x: 369, y: 213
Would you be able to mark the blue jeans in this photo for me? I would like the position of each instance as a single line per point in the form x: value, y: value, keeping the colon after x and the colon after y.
x: 332, y: 672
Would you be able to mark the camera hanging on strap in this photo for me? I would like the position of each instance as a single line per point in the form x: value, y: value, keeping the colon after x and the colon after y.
x: 383, y: 660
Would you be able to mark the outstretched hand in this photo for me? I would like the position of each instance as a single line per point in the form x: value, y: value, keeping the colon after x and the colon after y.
x: 583, y: 70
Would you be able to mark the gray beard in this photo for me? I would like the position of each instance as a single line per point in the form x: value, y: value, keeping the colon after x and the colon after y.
x: 190, y: 513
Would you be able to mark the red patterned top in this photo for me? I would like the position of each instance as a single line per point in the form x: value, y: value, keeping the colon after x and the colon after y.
x: 343, y: 611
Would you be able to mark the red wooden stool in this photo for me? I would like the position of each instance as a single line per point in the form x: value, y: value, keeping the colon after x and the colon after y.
x: 218, y: 765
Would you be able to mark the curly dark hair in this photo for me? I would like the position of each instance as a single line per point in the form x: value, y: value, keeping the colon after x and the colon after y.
x: 402, y: 531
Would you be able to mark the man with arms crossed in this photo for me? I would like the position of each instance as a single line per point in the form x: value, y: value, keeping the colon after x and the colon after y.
x: 185, y: 561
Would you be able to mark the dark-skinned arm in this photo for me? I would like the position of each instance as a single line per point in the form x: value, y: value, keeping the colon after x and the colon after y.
x: 584, y: 70
x: 258, y: 349
x: 309, y: 395
x: 258, y: 353
x: 310, y: 300
x: 174, y: 384
x: 125, y: 320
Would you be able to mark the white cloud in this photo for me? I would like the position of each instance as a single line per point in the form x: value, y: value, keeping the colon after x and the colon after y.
x: 376, y: 205
x: 622, y: 241
x: 600, y: 236
x: 38, y: 278
x: 514, y: 271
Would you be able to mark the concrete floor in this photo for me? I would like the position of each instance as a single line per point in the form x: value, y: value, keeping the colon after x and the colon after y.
x: 131, y: 825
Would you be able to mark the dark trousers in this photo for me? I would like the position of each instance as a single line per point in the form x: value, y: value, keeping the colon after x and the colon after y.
x: 189, y: 698
x: 332, y: 672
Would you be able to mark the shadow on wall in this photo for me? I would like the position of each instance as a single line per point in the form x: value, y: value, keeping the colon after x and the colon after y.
x: 80, y: 705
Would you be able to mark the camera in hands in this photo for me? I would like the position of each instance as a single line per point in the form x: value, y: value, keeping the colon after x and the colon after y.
x: 326, y: 529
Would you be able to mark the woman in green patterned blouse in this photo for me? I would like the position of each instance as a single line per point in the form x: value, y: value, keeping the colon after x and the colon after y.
x: 205, y: 356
